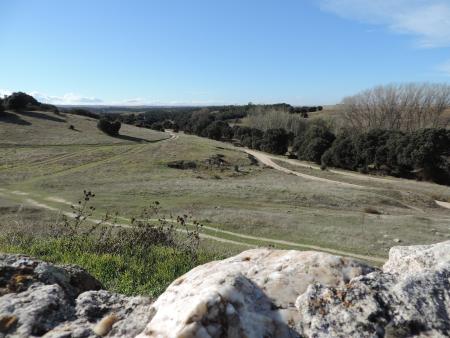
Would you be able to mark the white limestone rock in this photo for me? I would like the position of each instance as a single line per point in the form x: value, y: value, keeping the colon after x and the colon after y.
x: 410, y: 298
x: 258, y: 293
x: 406, y: 260
x: 250, y: 295
x: 40, y: 299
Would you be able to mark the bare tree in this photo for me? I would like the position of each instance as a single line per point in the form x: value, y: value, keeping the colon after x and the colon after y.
x: 273, y: 118
x: 398, y: 106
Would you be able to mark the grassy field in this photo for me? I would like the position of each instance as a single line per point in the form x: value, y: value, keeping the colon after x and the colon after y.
x: 42, y: 162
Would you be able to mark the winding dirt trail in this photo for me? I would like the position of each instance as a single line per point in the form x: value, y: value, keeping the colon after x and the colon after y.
x: 216, y: 236
x: 267, y: 159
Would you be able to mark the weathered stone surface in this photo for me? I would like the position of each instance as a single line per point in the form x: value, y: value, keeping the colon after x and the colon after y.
x: 406, y: 260
x: 249, y: 295
x: 411, y: 297
x: 258, y: 293
x: 41, y: 299
x: 36, y: 309
x: 130, y: 314
x: 18, y: 272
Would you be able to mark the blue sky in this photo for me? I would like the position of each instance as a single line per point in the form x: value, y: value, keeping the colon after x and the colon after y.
x: 219, y: 51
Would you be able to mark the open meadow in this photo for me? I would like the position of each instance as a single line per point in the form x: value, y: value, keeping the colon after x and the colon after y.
x: 45, y: 166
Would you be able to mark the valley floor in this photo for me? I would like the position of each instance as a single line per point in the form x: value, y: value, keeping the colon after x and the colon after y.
x: 282, y: 203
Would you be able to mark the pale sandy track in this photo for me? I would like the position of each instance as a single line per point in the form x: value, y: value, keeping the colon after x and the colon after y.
x: 443, y: 204
x: 225, y: 232
x: 267, y: 159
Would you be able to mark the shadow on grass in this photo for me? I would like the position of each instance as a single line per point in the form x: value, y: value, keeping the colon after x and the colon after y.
x: 136, y: 139
x: 12, y: 118
x: 132, y: 138
x: 42, y: 116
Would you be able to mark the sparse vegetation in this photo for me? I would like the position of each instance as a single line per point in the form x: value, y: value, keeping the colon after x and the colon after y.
x: 43, y: 159
x: 143, y: 257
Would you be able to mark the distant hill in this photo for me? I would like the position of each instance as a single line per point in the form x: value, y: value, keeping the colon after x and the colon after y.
x: 48, y: 128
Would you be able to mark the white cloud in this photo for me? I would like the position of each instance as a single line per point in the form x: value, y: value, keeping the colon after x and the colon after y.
x: 4, y: 92
x: 66, y: 99
x: 427, y: 20
x: 75, y: 99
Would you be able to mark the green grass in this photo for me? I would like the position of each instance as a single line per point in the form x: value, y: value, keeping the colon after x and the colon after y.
x: 45, y: 160
x: 142, y: 272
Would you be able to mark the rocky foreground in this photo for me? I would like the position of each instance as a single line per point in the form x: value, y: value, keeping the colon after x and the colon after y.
x: 258, y: 293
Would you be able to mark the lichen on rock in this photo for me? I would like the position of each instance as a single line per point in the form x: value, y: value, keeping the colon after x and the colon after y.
x: 258, y: 293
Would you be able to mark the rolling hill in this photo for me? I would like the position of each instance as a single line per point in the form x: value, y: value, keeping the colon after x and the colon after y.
x: 45, y: 166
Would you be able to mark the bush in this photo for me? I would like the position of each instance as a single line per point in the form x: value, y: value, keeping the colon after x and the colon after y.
x: 157, y: 126
x: 342, y: 154
x: 422, y: 154
x: 167, y: 124
x: 110, y: 128
x: 313, y: 144
x: 218, y: 130
x: 275, y: 141
x: 427, y: 152
x: 20, y: 101
x: 181, y: 164
x: 141, y: 259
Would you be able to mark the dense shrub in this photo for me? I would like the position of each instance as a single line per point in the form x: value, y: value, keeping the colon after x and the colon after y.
x: 20, y: 101
x: 110, y: 128
x: 167, y: 124
x: 316, y: 140
x: 275, y: 141
x: 157, y: 126
x: 422, y: 154
x: 342, y: 153
x: 427, y: 152
x: 218, y: 130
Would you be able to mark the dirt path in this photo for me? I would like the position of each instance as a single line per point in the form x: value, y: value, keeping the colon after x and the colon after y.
x: 267, y: 159
x: 443, y: 204
x: 217, y: 231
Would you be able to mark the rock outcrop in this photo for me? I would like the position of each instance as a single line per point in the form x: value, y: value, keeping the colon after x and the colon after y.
x: 258, y: 293
x: 41, y: 299
x: 250, y: 295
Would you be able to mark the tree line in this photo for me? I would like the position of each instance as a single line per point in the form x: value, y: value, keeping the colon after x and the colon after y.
x: 397, y: 129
